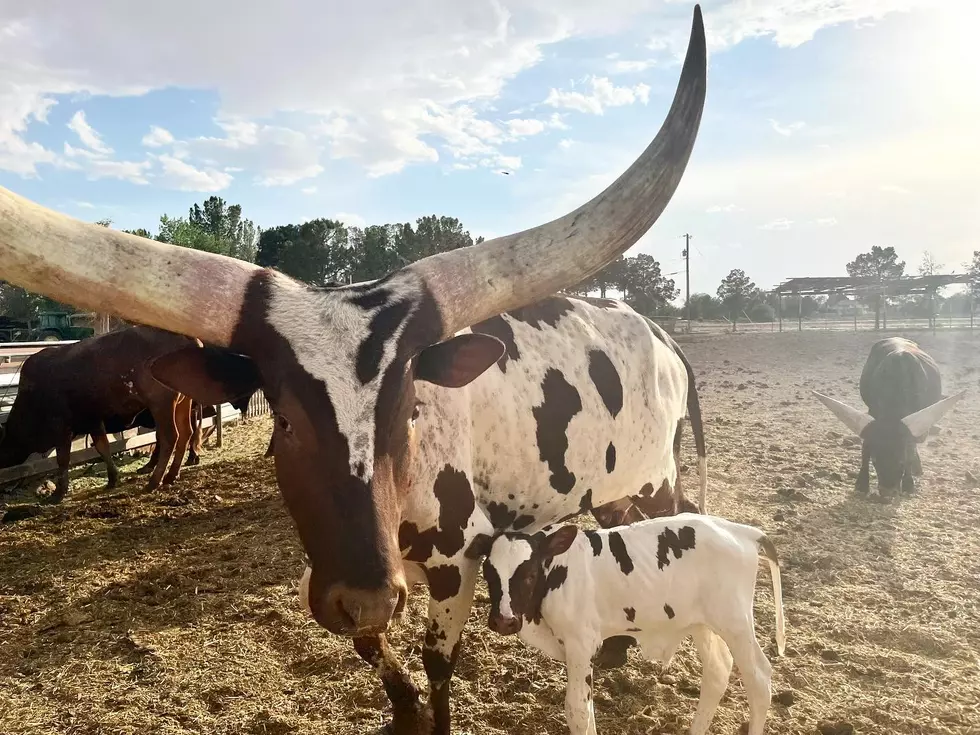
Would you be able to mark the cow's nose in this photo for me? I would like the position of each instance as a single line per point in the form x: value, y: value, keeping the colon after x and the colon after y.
x: 345, y: 610
x: 505, y: 625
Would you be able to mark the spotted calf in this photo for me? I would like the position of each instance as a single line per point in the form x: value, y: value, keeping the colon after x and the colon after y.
x: 658, y: 580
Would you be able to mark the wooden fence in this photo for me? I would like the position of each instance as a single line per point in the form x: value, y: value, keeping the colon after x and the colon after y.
x: 12, y: 356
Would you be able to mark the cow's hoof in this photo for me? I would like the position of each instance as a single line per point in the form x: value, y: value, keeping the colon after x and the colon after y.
x: 908, y: 485
x: 417, y: 721
x: 54, y: 498
x: 862, y: 486
x: 151, y: 486
x: 112, y: 483
x: 144, y: 470
x: 169, y: 480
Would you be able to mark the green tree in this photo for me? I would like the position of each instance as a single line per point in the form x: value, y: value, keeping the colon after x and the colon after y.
x: 881, y: 264
x: 644, y: 286
x: 139, y: 231
x: 975, y: 275
x: 736, y: 293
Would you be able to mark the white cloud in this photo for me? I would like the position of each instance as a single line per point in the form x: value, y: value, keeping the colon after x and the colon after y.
x: 603, y: 94
x: 276, y: 155
x: 566, y: 143
x: 788, y: 129
x: 79, y: 125
x: 443, y: 52
x: 84, y: 205
x: 826, y: 221
x: 777, y: 224
x: 308, y: 190
x: 519, y: 127
x: 631, y: 66
x: 178, y: 174
x: 351, y: 220
x: 157, y: 137
x: 719, y: 208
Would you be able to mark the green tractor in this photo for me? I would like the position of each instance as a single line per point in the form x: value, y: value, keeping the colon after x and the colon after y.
x: 56, y: 326
x: 51, y: 326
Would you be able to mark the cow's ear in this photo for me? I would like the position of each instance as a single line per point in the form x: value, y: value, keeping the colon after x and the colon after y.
x: 479, y: 547
x: 459, y: 360
x: 560, y: 541
x: 208, y: 375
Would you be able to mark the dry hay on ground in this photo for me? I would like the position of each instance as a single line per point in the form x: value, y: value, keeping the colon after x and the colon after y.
x: 176, y: 612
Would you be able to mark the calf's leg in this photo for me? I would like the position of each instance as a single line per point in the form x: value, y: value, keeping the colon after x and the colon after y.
x: 63, y: 452
x: 154, y: 458
x: 579, y: 712
x: 716, y: 668
x: 756, y: 673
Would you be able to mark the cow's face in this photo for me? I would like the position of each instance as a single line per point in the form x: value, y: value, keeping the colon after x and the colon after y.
x: 339, y: 368
x: 30, y: 426
x: 515, y: 574
x: 892, y: 449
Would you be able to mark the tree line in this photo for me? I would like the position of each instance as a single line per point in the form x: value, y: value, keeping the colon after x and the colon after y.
x: 325, y: 251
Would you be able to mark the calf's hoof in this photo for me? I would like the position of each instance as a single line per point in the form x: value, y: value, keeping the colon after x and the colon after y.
x: 862, y: 486
x: 908, y: 485
x: 168, y: 480
x: 152, y: 485
x: 144, y: 470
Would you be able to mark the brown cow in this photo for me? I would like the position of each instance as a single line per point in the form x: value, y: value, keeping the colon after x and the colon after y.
x: 98, y: 386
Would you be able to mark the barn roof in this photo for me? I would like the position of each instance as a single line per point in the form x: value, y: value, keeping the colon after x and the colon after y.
x: 868, y: 284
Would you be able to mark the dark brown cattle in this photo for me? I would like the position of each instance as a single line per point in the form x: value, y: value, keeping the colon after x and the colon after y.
x: 98, y: 386
x: 903, y: 390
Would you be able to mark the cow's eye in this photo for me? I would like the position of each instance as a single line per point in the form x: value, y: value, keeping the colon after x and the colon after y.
x: 284, y: 424
x: 415, y: 413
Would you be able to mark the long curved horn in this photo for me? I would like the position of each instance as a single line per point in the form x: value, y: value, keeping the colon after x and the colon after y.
x: 474, y: 283
x: 921, y: 421
x: 96, y: 268
x: 853, y: 419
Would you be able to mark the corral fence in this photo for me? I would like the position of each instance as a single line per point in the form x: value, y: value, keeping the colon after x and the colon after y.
x: 830, y: 323
x: 12, y: 356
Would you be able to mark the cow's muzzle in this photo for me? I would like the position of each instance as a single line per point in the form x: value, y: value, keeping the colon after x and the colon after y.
x: 505, y: 624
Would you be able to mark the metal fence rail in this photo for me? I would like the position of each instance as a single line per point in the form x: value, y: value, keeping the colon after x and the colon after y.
x: 81, y: 449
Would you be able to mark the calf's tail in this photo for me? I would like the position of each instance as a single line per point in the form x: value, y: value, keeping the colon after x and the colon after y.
x: 768, y: 550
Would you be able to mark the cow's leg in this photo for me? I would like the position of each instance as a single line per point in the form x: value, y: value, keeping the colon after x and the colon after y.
x: 182, y: 422
x: 197, y: 441
x: 101, y: 443
x: 916, y: 462
x: 716, y: 668
x: 166, y: 439
x: 908, y: 481
x: 863, y: 484
x: 451, y: 588
x: 410, y: 715
x: 154, y: 458
x: 579, y: 712
x: 622, y: 512
x: 63, y: 451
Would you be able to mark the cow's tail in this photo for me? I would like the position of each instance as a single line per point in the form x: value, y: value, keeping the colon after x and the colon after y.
x: 768, y: 550
x: 697, y: 428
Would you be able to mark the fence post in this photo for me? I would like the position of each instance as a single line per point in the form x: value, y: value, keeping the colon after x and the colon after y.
x: 799, y: 313
x: 217, y: 425
x: 779, y: 309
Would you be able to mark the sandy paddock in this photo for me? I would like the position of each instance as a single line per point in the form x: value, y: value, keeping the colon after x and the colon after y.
x: 176, y: 612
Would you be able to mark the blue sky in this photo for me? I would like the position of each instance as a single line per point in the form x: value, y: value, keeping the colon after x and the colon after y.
x: 829, y: 126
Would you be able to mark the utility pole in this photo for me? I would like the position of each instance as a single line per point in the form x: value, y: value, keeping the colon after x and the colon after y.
x: 687, y: 277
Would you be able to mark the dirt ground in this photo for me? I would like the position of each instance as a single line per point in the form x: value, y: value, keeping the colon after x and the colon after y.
x: 176, y: 612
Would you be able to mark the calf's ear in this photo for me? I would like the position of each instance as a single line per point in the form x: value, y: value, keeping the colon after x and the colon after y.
x: 560, y: 541
x: 209, y: 375
x: 459, y: 360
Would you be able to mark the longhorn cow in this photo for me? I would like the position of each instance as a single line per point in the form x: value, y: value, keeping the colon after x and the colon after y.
x: 902, y: 388
x: 458, y: 396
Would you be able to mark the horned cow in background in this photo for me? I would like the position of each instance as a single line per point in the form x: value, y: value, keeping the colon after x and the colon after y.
x: 902, y: 388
